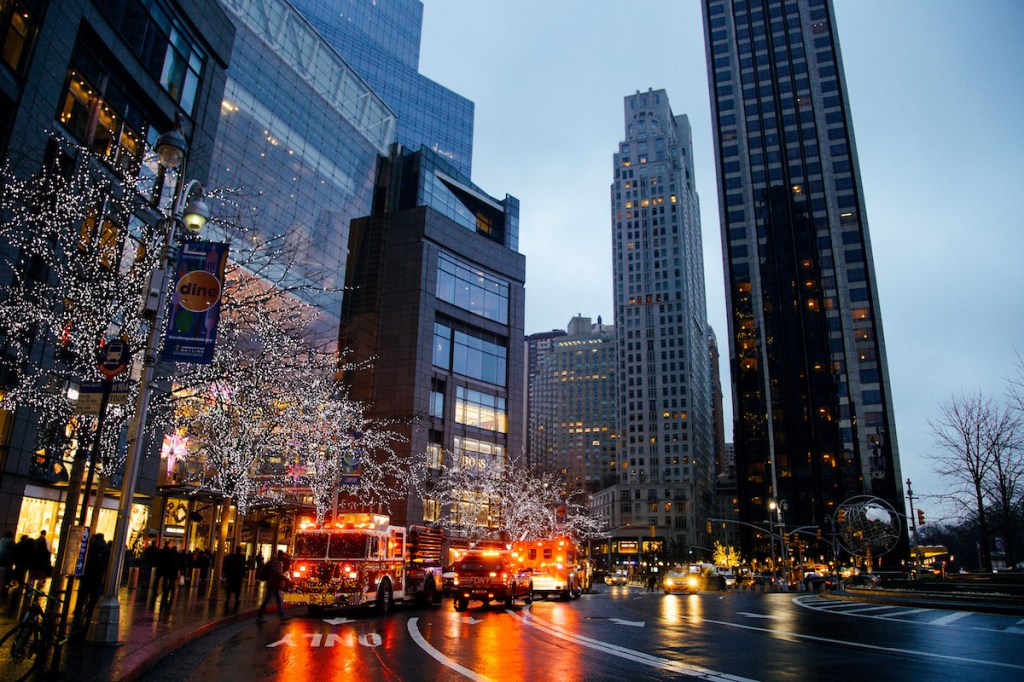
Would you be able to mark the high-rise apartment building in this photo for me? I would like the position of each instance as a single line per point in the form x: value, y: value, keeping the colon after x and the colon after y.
x: 666, y: 448
x: 573, y: 406
x: 536, y: 348
x: 381, y: 41
x: 811, y: 396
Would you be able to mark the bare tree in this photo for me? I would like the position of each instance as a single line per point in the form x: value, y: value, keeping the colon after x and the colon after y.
x: 970, y: 432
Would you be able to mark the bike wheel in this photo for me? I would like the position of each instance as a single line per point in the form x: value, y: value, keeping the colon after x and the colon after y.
x: 20, y: 652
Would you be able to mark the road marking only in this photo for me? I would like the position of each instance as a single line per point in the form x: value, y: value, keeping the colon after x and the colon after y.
x: 414, y: 631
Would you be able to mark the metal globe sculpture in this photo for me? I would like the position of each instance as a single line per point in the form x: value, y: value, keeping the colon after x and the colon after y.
x: 867, y: 525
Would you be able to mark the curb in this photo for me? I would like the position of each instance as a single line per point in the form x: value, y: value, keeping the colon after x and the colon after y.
x: 164, y: 646
x: 933, y: 600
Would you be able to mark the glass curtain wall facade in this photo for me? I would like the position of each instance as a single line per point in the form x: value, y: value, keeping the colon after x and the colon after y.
x: 666, y: 448
x: 300, y: 136
x: 812, y: 402
x: 381, y: 40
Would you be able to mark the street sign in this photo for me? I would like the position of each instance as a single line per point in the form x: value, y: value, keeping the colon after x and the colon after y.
x: 90, y: 396
x: 78, y: 544
x: 114, y: 358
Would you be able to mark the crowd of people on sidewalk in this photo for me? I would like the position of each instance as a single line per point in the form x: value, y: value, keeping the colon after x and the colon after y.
x: 29, y: 562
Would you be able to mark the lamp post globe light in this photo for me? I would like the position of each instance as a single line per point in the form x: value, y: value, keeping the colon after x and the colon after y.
x: 171, y: 150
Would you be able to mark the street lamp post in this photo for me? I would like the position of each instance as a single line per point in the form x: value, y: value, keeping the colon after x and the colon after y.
x: 171, y: 149
x: 779, y: 507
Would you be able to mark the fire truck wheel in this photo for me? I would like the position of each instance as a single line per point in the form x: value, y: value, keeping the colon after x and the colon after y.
x: 428, y: 596
x: 529, y: 595
x: 461, y: 604
x: 510, y: 598
x: 385, y: 598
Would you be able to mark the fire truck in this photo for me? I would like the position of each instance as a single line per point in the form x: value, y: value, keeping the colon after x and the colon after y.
x: 554, y: 565
x: 361, y: 559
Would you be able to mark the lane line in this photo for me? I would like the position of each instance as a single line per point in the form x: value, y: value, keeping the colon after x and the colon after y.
x: 629, y: 654
x: 950, y: 617
x: 441, y: 658
x: 858, y: 645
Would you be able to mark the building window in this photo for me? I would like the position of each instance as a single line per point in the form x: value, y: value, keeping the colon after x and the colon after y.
x: 471, y: 353
x: 17, y: 33
x: 478, y: 455
x: 479, y: 409
x: 162, y: 44
x: 472, y: 289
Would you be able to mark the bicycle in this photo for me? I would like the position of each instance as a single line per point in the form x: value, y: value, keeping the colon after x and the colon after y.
x: 25, y: 648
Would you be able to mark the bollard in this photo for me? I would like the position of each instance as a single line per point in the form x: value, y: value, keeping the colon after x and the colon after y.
x: 194, y: 579
x: 133, y: 578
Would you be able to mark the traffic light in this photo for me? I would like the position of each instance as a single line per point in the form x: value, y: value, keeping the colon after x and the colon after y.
x: 841, y: 516
x: 818, y: 533
x: 709, y: 527
x: 920, y: 516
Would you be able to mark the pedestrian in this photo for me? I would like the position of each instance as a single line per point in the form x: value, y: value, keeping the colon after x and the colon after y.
x: 42, y: 561
x: 22, y: 563
x: 6, y: 559
x: 91, y: 585
x: 274, y: 583
x: 234, y: 573
x: 150, y: 558
x: 202, y: 562
x: 169, y: 570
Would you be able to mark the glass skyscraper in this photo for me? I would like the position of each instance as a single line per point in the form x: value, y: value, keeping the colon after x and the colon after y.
x: 666, y: 448
x: 811, y: 395
x: 381, y: 41
x: 300, y: 136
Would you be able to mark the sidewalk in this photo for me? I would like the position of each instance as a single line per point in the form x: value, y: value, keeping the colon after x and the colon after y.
x: 150, y: 630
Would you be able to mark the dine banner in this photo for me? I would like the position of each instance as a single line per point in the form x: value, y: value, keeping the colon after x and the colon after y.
x: 191, y: 331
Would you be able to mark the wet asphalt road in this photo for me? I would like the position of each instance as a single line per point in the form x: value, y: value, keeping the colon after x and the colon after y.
x: 620, y: 633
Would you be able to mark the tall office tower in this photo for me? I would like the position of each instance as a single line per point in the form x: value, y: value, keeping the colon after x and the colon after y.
x: 381, y: 41
x: 717, y: 407
x: 435, y: 300
x: 573, y: 406
x: 536, y: 348
x: 811, y: 396
x: 666, y: 447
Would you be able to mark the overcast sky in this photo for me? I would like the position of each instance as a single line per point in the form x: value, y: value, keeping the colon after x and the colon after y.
x: 937, y: 97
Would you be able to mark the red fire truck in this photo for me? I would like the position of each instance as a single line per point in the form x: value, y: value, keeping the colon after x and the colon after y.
x: 361, y: 559
x: 554, y: 565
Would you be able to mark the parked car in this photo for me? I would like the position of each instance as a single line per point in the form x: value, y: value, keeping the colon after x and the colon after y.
x: 865, y: 580
x: 759, y: 579
x: 730, y: 579
x: 615, y: 579
x: 819, y: 582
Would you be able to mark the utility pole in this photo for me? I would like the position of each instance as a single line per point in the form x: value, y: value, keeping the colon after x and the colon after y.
x: 913, y: 523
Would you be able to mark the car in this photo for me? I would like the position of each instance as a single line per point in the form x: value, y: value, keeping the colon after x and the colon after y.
x: 865, y: 580
x: 488, y: 576
x: 616, y: 579
x: 681, y: 581
x: 819, y: 582
x: 448, y: 581
x: 730, y: 579
x: 759, y: 579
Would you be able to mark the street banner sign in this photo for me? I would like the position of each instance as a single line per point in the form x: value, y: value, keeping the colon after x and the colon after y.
x: 191, y: 332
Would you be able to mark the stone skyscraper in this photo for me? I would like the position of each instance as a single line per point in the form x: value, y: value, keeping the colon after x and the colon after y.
x: 811, y: 395
x: 665, y: 456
